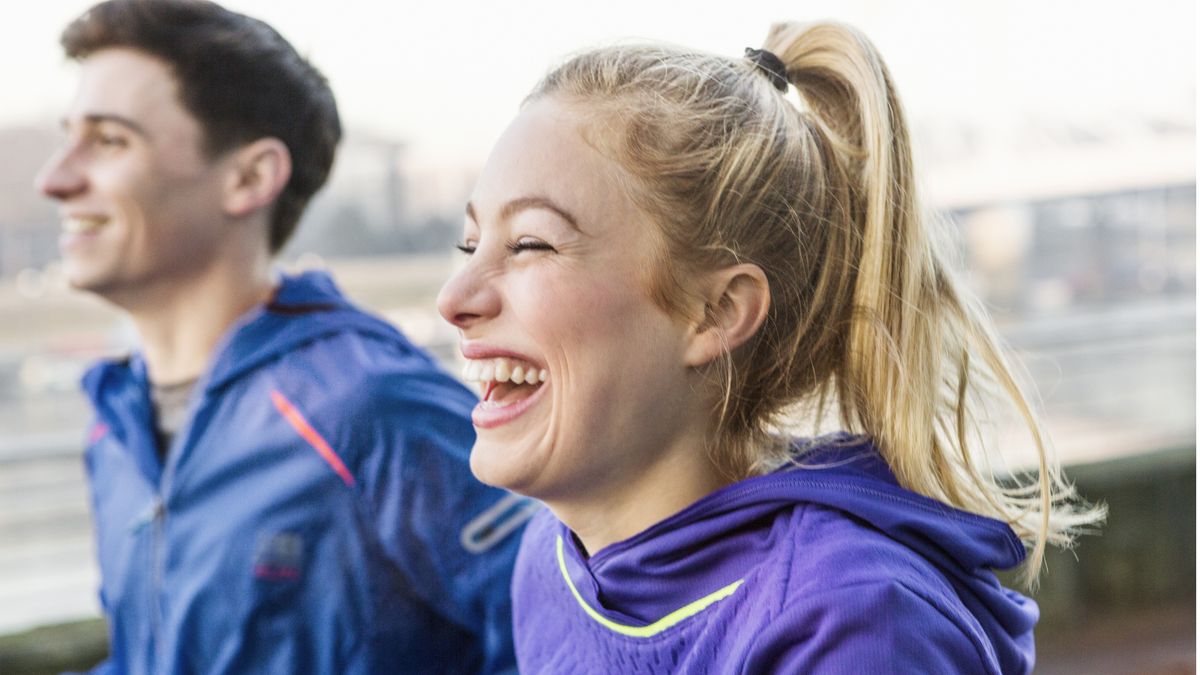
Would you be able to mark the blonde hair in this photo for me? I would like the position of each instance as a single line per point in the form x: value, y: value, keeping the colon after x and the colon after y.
x: 866, y: 319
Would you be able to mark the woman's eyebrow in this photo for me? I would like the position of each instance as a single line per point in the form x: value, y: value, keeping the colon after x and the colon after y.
x: 515, y: 206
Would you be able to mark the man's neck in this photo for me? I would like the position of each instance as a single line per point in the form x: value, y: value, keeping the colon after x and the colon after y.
x: 179, y: 331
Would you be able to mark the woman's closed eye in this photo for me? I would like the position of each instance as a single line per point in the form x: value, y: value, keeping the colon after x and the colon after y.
x: 520, y: 245
x: 527, y: 244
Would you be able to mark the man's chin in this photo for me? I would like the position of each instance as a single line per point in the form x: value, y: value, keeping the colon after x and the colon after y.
x: 82, y: 282
x: 91, y: 283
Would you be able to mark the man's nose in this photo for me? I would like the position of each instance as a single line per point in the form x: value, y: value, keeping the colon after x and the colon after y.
x: 61, y: 177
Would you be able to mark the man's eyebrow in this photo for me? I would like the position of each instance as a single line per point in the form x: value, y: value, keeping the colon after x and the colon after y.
x: 97, y: 118
x: 515, y: 206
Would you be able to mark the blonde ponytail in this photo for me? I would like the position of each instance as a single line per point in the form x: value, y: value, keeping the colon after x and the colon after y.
x: 866, y: 321
x: 921, y: 359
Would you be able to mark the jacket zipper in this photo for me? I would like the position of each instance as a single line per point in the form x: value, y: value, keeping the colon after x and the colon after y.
x: 156, y: 578
x: 157, y: 550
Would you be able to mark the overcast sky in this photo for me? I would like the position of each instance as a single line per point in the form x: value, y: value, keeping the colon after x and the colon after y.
x: 445, y: 77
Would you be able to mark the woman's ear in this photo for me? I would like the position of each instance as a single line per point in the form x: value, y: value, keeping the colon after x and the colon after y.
x: 258, y: 173
x: 736, y: 302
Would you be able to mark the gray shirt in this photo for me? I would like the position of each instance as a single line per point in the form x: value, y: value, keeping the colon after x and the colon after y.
x: 170, y: 403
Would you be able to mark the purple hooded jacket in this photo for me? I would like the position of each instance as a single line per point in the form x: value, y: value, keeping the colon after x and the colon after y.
x: 834, y: 569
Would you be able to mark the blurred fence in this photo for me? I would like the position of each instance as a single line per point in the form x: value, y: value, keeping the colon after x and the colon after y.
x: 1118, y: 386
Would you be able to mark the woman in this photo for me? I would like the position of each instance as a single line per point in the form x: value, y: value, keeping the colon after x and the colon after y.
x: 669, y: 260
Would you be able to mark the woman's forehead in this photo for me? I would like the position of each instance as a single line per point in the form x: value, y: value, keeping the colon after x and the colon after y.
x: 544, y: 155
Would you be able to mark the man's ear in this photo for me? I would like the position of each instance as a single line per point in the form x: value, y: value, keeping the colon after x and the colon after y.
x: 258, y: 173
x: 736, y: 302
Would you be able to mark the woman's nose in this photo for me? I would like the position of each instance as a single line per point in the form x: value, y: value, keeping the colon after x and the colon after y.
x: 468, y: 298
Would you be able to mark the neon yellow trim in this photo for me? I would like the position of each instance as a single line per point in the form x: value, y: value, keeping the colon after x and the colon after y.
x: 655, y: 628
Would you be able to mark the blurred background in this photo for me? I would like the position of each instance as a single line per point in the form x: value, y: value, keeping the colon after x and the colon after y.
x: 1059, y: 138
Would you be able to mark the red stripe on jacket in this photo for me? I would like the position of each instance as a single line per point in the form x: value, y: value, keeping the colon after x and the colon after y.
x: 302, y: 427
x: 99, y: 429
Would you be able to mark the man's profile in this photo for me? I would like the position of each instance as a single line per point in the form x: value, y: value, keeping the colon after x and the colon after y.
x: 279, y: 481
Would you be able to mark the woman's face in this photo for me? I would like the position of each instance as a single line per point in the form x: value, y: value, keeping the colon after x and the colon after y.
x: 582, y: 375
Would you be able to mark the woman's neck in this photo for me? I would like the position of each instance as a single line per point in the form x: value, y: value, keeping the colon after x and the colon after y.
x: 626, y: 507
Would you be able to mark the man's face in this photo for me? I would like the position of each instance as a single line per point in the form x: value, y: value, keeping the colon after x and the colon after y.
x: 140, y: 202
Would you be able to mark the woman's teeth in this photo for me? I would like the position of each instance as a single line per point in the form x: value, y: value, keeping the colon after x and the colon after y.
x: 503, y: 370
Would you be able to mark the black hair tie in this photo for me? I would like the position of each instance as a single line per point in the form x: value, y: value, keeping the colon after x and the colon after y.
x: 771, y: 65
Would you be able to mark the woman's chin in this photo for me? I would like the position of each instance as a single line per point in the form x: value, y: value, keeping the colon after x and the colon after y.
x: 501, y: 465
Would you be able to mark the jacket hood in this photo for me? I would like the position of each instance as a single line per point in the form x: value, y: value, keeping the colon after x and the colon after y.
x: 305, y: 308
x: 300, y: 312
x: 694, y: 547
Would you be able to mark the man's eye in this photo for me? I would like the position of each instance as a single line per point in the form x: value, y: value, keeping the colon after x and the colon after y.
x: 111, y: 141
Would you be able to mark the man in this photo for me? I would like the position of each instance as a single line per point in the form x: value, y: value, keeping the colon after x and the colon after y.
x: 279, y: 481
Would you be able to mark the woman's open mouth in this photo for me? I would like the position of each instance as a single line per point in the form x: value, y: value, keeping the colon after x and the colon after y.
x: 509, y: 387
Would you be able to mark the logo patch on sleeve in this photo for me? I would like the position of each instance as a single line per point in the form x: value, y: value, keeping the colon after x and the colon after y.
x: 279, y: 556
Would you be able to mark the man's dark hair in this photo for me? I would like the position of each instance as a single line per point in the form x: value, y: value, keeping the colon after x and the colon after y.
x: 237, y: 76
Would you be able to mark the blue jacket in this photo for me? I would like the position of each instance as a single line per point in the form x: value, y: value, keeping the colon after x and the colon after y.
x: 830, y: 568
x: 316, y: 514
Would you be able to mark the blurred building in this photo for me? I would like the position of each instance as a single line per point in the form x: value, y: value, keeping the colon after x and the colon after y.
x: 1078, y: 220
